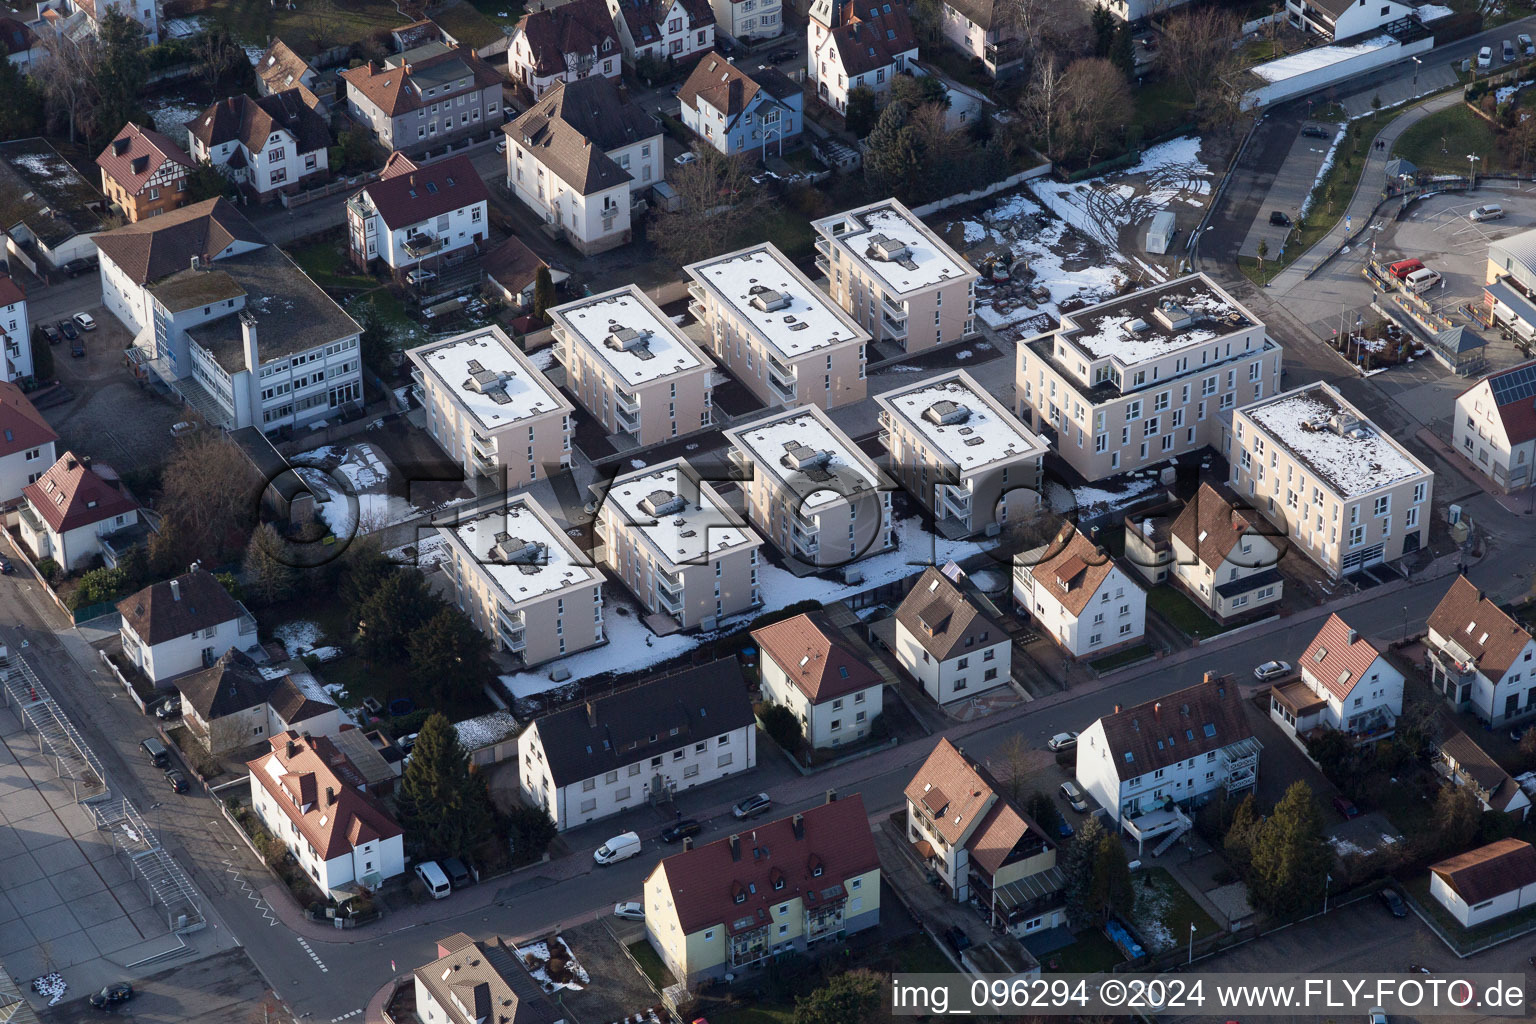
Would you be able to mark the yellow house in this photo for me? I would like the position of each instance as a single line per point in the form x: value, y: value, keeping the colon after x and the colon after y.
x: 787, y: 884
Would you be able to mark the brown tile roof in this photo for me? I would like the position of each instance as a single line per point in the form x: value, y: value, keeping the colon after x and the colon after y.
x: 555, y: 130
x: 407, y: 193
x: 581, y: 28
x: 484, y: 976
x: 160, y: 612
x: 1186, y: 723
x: 1489, y: 871
x: 1336, y: 661
x: 1000, y: 832
x: 161, y: 246
x: 21, y: 425
x: 821, y: 666
x: 281, y: 68
x: 137, y: 154
x: 316, y: 786
x: 1497, y: 788
x: 290, y: 703
x: 940, y: 615
x: 512, y: 264
x: 812, y: 858
x: 227, y: 687
x: 71, y: 494
x: 11, y: 290
x: 645, y: 17
x: 1073, y: 574
x: 388, y: 88
x: 251, y: 122
x: 953, y: 790
x: 866, y: 45
x: 1479, y: 627
x: 1211, y: 526
x: 15, y: 36
x: 719, y: 83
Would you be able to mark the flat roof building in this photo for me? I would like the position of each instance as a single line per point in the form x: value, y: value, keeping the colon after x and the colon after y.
x: 780, y: 334
x: 631, y: 367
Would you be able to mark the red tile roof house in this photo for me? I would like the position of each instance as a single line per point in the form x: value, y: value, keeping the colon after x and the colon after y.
x: 1345, y: 685
x: 1485, y: 883
x: 69, y: 511
x: 311, y: 797
x: 1494, y: 426
x: 787, y: 884
x: 144, y: 173
x: 809, y: 669
x: 26, y: 443
x: 674, y: 30
x: 1480, y: 659
x: 428, y: 218
x: 425, y: 98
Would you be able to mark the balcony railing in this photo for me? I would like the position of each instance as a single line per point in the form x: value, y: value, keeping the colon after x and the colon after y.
x: 512, y: 628
x: 896, y: 328
x: 626, y: 402
x: 956, y: 499
x: 895, y: 310
x: 627, y: 422
x: 784, y: 392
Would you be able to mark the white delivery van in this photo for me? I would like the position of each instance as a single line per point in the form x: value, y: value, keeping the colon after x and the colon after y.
x: 1421, y: 281
x: 618, y: 848
x: 433, y: 878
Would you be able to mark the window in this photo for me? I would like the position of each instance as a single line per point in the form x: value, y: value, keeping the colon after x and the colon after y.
x: 723, y: 761
x: 588, y: 785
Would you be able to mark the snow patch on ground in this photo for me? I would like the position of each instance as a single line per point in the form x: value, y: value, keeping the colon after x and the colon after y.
x: 299, y: 637
x: 536, y: 957
x: 430, y: 550
x: 543, y: 359
x: 1091, y: 501
x: 363, y: 503
x: 1322, y: 172
x: 1152, y: 905
x: 172, y: 119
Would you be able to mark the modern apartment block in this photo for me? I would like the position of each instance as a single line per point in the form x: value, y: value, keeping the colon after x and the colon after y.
x: 678, y: 546
x: 778, y: 332
x: 1348, y: 494
x: 810, y: 490
x: 523, y: 583
x: 490, y: 409
x: 631, y: 367
x: 1145, y: 377
x: 960, y: 453
x: 898, y: 279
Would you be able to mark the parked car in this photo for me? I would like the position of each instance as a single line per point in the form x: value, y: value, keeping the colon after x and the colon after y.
x: 1488, y: 211
x: 1316, y: 131
x: 1421, y: 281
x: 1485, y: 57
x: 501, y: 144
x: 1280, y: 220
x: 684, y: 159
x: 1272, y: 670
x: 1074, y: 796
x: 781, y: 55
x: 1507, y: 50
x: 620, y: 847
x: 457, y: 872
x: 74, y: 268
x: 112, y: 995
x: 1524, y: 44
x: 680, y: 830
x: 955, y: 936
x: 176, y: 780
x: 1402, y: 268
x: 1062, y: 741
x: 169, y: 708
x: 752, y: 806
x: 629, y: 911
x: 1346, y: 807
x: 420, y: 276
x: 85, y: 321
x: 1394, y: 902
x: 6, y: 568
x: 68, y: 329
x: 52, y: 334
x: 184, y: 427
x: 1377, y: 1016
x: 77, y: 349
x: 1064, y: 829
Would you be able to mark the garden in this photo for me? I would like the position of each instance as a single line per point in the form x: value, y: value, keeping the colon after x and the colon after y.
x: 1183, y: 614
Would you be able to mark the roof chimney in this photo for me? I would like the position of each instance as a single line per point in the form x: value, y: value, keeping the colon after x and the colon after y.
x: 831, y: 796
x: 1354, y: 636
x: 1117, y: 709
x: 592, y: 714
x: 1209, y: 677
x: 687, y: 843
x: 1157, y: 709
x: 330, y: 795
x: 175, y: 590
x: 293, y: 749
x: 735, y: 842
x: 797, y: 824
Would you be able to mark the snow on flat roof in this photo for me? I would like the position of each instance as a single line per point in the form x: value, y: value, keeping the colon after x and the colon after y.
x: 523, y: 552
x: 847, y: 473
x: 1356, y: 461
x: 486, y: 374
x: 494, y: 727
x: 630, y: 335
x: 1315, y: 58
x: 684, y: 520
x: 1129, y: 329
x: 898, y: 248
x: 766, y: 291
x: 980, y: 430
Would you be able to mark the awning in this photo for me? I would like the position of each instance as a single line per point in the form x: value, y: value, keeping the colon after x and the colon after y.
x: 1522, y: 307
x: 924, y: 849
x: 1029, y: 889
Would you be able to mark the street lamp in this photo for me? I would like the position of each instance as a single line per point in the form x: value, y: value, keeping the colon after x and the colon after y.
x: 1405, y: 623
x: 1416, y: 63
x: 1472, y: 159
x: 1327, y: 881
x: 1191, y: 942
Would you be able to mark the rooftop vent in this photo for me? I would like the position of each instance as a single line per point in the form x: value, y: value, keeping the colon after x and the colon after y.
x: 662, y: 503
x: 1139, y: 325
x: 766, y: 299
x: 798, y: 455
x: 1345, y: 425
x: 510, y: 550
x: 627, y: 339
x: 488, y: 382
x: 889, y: 250
x: 946, y: 413
x: 1172, y: 315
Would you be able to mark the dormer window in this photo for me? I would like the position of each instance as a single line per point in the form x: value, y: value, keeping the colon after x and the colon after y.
x: 816, y: 871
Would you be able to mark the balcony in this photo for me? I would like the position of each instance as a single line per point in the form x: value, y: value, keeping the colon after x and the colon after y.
x: 626, y: 403
x: 670, y: 600
x: 895, y: 328
x: 896, y: 311
x: 482, y: 447
x: 1242, y: 763
x: 955, y: 500
x: 696, y: 293
x: 247, y: 625
x: 696, y: 310
x: 421, y: 246
x: 807, y: 536
x: 511, y: 627
x: 823, y: 266
x: 628, y: 423
x: 824, y: 247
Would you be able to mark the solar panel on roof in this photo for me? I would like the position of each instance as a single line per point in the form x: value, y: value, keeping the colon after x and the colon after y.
x: 1516, y: 385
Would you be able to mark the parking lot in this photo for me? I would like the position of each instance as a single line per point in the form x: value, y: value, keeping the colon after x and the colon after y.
x: 1292, y: 183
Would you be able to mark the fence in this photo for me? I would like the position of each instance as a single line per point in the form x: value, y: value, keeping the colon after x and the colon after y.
x: 124, y: 682
x: 997, y: 186
x: 671, y: 997
x: 328, y: 189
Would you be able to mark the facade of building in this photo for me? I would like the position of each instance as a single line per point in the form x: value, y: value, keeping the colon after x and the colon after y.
x: 1463, y: 763
x: 981, y: 30
x: 74, y: 18
x: 475, y: 982
x: 310, y: 796
x: 674, y: 30
x: 982, y: 845
x: 1494, y: 426
x: 564, y: 44
x: 1344, y: 19
x: 68, y: 511
x: 421, y: 218
x: 15, y: 331
x: 788, y: 884
x: 896, y: 277
x: 1480, y: 659
x: 1486, y: 883
x: 810, y: 490
x: 849, y: 46
x: 678, y: 546
x: 1345, y: 492
x: 639, y: 746
x: 234, y: 703
x: 1077, y: 593
x: 275, y: 144
x: 1345, y: 685
x: 426, y: 97
x: 950, y: 644
x: 490, y: 410
x: 1222, y: 557
x: 144, y: 173
x: 26, y: 443
x: 521, y: 581
x: 1146, y: 764
x: 742, y: 112
x: 961, y: 454
x: 182, y: 625
x: 51, y: 214
x: 631, y: 367
x: 749, y: 20
x: 1145, y: 377
x: 19, y: 42
x: 776, y: 331
x: 828, y: 685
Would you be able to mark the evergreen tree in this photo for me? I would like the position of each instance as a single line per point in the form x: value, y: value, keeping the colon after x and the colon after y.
x: 530, y: 830
x: 853, y: 997
x: 450, y: 658
x: 21, y: 106
x: 917, y: 91
x: 442, y: 806
x: 388, y: 616
x: 1123, y: 52
x: 120, y: 75
x: 1290, y: 855
x: 1076, y: 862
x: 859, y: 115
x: 1113, y: 892
x: 893, y: 156
x: 206, y: 181
x: 1103, y: 23
x: 135, y: 565
x: 364, y: 569
x: 1457, y: 816
x: 1242, y: 833
x: 42, y: 352
x: 543, y: 294
x: 268, y: 569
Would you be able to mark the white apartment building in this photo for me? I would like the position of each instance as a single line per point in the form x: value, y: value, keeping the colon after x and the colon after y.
x: 1347, y: 493
x: 778, y: 332
x: 564, y: 44
x: 265, y: 146
x: 678, y: 546
x: 16, y: 329
x: 961, y: 454
x: 1146, y: 764
x: 1222, y: 560
x: 26, y: 443
x: 1480, y: 659
x: 490, y: 410
x: 1486, y: 883
x: 524, y: 584
x: 1080, y: 597
x: 70, y: 18
x: 1494, y: 427
x: 1345, y: 685
x: 182, y: 625
x: 824, y: 682
x: 631, y: 367
x: 425, y: 97
x: 1148, y: 376
x: 898, y: 279
x: 983, y: 30
x: 422, y: 217
x: 664, y: 29
x: 810, y: 490
x: 944, y: 638
x: 749, y: 20
x: 640, y: 745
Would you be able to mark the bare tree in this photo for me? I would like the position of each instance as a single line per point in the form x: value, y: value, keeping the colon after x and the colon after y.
x: 209, y: 503
x: 68, y: 77
x: 1195, y: 45
x: 1041, y: 102
x: 1095, y: 98
x: 716, y: 196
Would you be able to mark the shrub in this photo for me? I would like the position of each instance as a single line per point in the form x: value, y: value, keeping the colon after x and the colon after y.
x: 782, y: 726
x: 48, y: 569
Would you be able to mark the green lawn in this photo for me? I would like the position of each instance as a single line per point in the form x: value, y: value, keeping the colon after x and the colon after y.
x: 1177, y: 908
x: 1135, y: 652
x: 783, y: 227
x: 320, y: 23
x: 650, y: 962
x: 477, y: 23
x: 1183, y: 614
x: 1440, y: 143
x: 1161, y: 105
x: 327, y: 264
x: 916, y: 954
x: 1092, y: 953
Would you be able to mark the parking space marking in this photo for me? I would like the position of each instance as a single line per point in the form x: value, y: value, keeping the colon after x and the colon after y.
x: 318, y: 962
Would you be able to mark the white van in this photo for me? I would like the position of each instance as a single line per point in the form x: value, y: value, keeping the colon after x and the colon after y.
x: 1421, y: 281
x: 618, y: 848
x: 433, y: 878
